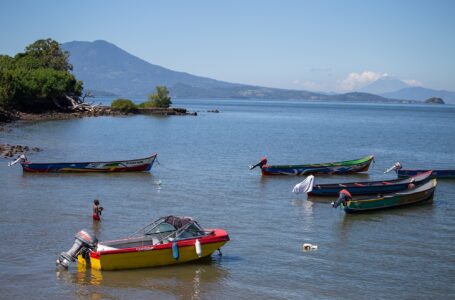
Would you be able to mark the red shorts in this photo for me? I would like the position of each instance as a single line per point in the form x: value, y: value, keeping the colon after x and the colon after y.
x: 96, y: 217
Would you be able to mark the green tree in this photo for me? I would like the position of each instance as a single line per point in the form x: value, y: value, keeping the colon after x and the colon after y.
x: 44, y: 54
x: 160, y: 98
x: 37, y: 79
x: 7, y: 89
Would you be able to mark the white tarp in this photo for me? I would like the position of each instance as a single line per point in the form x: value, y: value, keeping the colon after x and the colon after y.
x: 305, y: 186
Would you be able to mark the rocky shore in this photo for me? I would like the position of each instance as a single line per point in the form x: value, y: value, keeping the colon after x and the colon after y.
x: 7, y: 150
x: 96, y: 112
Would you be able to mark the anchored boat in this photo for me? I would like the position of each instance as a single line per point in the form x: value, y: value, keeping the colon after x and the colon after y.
x: 419, y: 194
x: 342, y: 167
x: 169, y: 240
x: 134, y: 165
x: 367, y: 187
x: 442, y: 174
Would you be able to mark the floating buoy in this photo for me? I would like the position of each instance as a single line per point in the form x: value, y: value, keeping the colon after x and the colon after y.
x: 175, y: 251
x: 309, y: 247
x: 198, y: 248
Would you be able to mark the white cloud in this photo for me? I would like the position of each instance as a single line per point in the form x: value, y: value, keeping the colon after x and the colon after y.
x: 358, y: 80
x: 412, y: 82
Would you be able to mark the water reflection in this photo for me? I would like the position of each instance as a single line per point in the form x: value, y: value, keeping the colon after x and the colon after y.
x: 190, y: 280
x: 92, y: 175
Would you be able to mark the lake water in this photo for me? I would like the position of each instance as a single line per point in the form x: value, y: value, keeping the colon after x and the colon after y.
x: 406, y: 253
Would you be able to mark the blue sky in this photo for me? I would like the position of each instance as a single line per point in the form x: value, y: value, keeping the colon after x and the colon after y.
x: 313, y: 45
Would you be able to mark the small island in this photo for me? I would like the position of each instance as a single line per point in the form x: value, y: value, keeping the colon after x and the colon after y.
x: 38, y: 84
x: 435, y: 100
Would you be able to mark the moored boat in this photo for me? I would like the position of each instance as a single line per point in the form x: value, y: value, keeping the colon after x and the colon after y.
x: 436, y: 173
x: 422, y: 193
x: 169, y: 240
x: 368, y: 187
x: 342, y: 167
x: 133, y: 165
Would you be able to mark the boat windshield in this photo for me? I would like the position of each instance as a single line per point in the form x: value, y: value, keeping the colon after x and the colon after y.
x: 193, y: 230
x: 161, y: 228
x: 175, y: 227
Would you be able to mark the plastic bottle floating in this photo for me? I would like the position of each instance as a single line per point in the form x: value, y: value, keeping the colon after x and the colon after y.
x: 309, y: 247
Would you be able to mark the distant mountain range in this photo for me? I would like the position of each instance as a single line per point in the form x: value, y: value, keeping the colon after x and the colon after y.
x: 420, y: 93
x: 388, y: 87
x: 106, y: 69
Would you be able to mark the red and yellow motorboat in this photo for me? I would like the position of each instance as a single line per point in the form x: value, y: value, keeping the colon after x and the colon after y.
x: 169, y: 240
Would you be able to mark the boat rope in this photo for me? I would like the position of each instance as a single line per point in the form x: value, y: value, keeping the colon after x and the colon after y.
x: 164, y: 166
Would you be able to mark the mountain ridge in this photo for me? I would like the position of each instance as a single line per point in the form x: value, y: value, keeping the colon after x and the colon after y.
x: 106, y: 68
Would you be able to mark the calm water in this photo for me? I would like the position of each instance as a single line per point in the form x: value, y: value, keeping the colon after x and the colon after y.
x: 405, y: 253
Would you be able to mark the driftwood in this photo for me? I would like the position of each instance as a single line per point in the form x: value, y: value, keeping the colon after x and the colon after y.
x: 80, y: 105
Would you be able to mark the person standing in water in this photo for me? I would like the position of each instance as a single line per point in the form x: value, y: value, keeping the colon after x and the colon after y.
x: 97, y: 209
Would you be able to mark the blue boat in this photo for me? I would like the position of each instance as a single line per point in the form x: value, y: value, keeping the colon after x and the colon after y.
x: 440, y: 174
x: 134, y: 165
x: 370, y: 187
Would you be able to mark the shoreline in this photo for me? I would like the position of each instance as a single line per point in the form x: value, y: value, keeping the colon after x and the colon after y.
x: 9, y: 118
x: 99, y: 111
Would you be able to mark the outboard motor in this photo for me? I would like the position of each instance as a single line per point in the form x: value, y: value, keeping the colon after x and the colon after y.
x: 263, y: 162
x: 343, y: 198
x: 84, y: 241
x: 396, y: 166
x: 20, y: 159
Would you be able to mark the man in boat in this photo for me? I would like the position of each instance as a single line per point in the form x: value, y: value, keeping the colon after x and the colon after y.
x: 97, y: 209
x: 344, y: 197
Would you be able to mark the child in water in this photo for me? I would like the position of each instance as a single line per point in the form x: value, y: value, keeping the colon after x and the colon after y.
x: 97, y: 209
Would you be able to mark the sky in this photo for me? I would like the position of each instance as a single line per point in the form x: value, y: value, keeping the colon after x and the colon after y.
x: 325, y: 45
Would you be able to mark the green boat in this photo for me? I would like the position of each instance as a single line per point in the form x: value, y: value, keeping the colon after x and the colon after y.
x: 422, y: 193
x: 340, y: 167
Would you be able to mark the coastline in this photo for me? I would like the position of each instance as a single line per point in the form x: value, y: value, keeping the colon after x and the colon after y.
x: 9, y: 118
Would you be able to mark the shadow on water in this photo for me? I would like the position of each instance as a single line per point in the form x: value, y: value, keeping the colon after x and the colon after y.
x: 188, y: 279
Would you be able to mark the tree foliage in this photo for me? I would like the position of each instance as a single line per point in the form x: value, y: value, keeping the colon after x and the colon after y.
x: 38, y: 78
x: 158, y: 99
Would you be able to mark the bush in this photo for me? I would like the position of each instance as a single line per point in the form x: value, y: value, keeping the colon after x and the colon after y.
x: 147, y: 104
x: 124, y: 105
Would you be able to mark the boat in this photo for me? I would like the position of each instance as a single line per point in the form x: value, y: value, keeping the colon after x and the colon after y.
x: 422, y: 193
x: 167, y: 241
x: 368, y: 187
x: 438, y: 173
x: 342, y: 167
x: 134, y: 165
